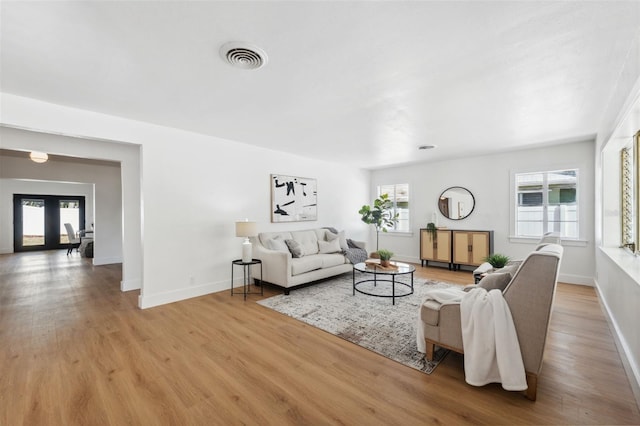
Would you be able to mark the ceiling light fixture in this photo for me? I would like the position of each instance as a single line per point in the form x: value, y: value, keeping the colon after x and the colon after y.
x: 243, y: 55
x: 427, y: 146
x: 38, y: 157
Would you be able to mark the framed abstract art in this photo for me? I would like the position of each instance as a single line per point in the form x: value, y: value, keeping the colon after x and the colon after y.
x: 293, y: 199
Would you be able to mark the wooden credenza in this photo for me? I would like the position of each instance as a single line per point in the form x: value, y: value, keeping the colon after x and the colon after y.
x: 455, y: 247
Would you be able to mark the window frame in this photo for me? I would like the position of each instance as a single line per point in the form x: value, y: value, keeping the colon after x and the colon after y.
x: 513, y: 203
x: 630, y: 211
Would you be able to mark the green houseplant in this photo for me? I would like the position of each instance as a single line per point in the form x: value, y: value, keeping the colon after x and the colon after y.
x: 380, y: 215
x: 432, y: 231
x: 497, y: 260
x: 385, y: 256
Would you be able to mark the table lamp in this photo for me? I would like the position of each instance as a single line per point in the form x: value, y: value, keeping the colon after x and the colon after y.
x: 246, y: 229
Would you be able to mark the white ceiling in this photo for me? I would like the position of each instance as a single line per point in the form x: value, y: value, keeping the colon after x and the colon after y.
x: 360, y: 82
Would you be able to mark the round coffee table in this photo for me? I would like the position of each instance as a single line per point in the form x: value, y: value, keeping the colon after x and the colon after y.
x: 376, y: 274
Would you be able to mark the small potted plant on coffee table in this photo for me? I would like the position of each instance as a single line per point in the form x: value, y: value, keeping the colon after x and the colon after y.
x: 385, y: 257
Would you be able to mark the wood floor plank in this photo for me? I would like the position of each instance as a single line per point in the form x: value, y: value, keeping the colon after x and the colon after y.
x: 77, y: 351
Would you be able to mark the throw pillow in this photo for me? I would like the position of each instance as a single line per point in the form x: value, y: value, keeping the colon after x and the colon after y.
x: 511, y: 267
x: 277, y: 244
x: 495, y: 280
x: 341, y: 237
x: 295, y: 248
x: 332, y: 246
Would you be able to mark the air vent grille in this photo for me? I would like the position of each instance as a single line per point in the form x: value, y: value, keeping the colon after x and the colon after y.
x: 243, y: 55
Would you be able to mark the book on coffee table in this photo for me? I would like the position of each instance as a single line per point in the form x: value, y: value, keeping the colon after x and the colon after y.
x: 375, y: 263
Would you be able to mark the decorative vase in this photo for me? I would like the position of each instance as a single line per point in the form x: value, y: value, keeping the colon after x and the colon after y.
x: 385, y: 263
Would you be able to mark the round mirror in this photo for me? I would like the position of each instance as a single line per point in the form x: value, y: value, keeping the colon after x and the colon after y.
x: 456, y: 203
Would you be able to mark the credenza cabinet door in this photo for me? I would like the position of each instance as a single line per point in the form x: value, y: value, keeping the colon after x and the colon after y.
x: 460, y: 247
x: 427, y: 246
x: 471, y: 247
x: 479, y: 247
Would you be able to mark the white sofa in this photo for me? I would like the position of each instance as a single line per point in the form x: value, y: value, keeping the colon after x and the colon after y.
x: 322, y: 256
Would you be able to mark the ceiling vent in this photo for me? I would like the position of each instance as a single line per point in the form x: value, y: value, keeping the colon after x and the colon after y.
x: 243, y: 55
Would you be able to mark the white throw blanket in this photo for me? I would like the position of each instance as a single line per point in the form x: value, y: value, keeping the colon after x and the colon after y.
x: 491, y: 348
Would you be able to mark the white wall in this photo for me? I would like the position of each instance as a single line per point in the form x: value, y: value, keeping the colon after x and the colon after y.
x: 8, y: 187
x: 618, y: 271
x: 193, y: 189
x: 489, y: 179
x: 199, y: 188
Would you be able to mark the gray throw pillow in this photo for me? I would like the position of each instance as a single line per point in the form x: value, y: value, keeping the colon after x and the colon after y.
x: 511, y: 267
x: 295, y: 248
x: 495, y: 280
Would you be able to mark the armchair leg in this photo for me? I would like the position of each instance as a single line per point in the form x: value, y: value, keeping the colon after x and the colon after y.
x: 430, y: 349
x: 532, y: 386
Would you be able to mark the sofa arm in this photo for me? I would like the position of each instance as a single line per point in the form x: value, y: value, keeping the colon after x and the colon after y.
x: 276, y: 265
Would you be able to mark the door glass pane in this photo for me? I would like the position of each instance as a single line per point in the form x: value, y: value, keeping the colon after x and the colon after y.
x: 69, y: 213
x: 32, y: 222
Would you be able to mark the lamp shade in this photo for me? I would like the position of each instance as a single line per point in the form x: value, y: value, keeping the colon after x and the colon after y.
x: 246, y: 229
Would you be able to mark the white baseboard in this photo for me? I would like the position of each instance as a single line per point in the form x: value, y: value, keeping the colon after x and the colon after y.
x: 576, y: 279
x: 626, y: 356
x: 148, y: 301
x: 128, y: 285
x: 6, y: 250
x: 97, y: 261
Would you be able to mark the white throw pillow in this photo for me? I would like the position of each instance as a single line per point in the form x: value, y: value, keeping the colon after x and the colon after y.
x: 277, y: 244
x: 329, y: 246
x: 341, y: 238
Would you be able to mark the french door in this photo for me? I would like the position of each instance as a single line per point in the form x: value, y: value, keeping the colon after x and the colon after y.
x: 38, y: 220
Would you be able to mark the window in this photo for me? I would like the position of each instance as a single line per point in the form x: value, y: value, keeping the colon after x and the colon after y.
x: 399, y: 195
x: 629, y: 194
x: 547, y: 202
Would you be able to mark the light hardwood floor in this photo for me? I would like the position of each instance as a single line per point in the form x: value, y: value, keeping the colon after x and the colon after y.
x: 75, y: 350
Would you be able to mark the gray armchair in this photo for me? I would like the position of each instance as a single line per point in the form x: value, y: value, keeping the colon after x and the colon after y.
x: 529, y: 294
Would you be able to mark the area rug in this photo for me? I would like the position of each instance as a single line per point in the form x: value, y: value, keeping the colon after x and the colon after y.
x: 368, y: 321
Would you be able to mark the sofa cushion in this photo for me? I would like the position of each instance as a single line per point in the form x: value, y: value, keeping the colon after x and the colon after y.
x: 329, y: 246
x: 308, y: 240
x: 332, y: 259
x: 305, y: 264
x: 295, y: 248
x: 277, y: 244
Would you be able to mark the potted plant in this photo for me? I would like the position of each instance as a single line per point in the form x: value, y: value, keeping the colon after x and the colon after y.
x: 385, y: 257
x: 497, y: 260
x: 380, y: 215
x: 432, y: 231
